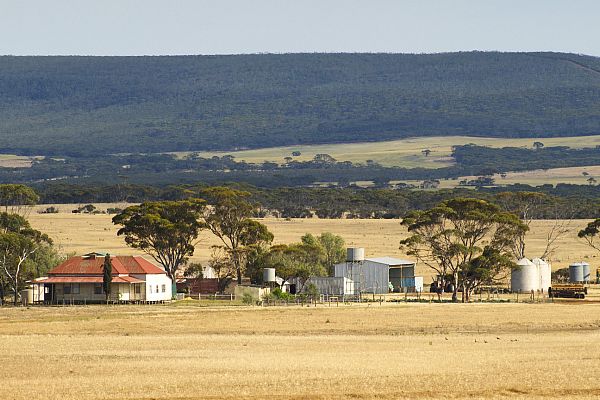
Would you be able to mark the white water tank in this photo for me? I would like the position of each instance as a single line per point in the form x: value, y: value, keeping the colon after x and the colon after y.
x: 354, y: 254
x: 268, y: 275
x: 525, y: 277
x: 545, y: 274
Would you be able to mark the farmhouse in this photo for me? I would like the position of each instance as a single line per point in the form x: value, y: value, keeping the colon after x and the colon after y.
x: 79, y: 279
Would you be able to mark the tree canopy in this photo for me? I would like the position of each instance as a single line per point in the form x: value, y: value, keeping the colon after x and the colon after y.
x: 165, y: 230
x: 461, y: 236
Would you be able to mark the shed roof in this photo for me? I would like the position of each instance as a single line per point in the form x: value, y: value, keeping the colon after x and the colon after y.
x: 391, y: 261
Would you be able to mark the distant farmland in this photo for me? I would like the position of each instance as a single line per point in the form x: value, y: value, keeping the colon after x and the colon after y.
x: 399, y: 153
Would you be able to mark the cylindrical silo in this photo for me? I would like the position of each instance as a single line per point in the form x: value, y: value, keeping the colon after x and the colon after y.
x: 354, y: 254
x: 545, y: 274
x: 576, y: 272
x: 586, y: 272
x: 525, y: 277
x: 268, y: 275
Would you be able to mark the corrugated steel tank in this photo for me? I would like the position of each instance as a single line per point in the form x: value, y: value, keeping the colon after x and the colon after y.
x: 268, y: 275
x: 354, y: 254
x: 525, y: 277
x: 577, y: 272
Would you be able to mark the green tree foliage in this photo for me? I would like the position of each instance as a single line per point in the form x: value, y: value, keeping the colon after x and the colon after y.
x: 460, y: 236
x: 107, y: 276
x: 165, y: 230
x: 296, y: 260
x: 332, y: 248
x: 229, y: 218
x: 590, y: 234
x: 15, y: 198
x: 18, y: 245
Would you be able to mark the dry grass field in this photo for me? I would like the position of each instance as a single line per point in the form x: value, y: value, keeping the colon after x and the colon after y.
x: 402, y: 153
x: 80, y: 233
x: 393, y: 351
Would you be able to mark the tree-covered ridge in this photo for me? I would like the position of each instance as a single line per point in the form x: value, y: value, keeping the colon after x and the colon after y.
x: 95, y: 105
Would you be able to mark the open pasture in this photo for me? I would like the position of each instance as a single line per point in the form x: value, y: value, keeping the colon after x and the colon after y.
x: 81, y: 233
x: 400, y: 153
x: 364, y: 352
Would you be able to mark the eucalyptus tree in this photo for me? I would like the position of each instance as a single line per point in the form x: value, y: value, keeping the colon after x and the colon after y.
x: 459, y: 236
x: 165, y: 230
x: 229, y: 218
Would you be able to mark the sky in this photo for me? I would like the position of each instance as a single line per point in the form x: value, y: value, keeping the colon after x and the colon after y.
x: 153, y: 27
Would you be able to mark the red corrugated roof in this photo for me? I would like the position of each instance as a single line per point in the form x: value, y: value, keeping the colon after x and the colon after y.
x: 93, y: 266
x: 87, y: 279
x: 126, y: 279
x: 70, y: 279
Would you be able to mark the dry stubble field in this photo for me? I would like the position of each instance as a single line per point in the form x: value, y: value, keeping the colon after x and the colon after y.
x: 363, y: 352
x: 82, y: 233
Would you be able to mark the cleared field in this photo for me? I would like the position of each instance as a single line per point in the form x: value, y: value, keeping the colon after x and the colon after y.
x: 80, y: 233
x: 363, y: 352
x: 552, y: 176
x: 401, y: 153
x: 12, y: 161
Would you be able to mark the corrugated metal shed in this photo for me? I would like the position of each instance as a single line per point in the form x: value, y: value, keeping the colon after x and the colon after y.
x: 374, y: 275
x: 331, y: 285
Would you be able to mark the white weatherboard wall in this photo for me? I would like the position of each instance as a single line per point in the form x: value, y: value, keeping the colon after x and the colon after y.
x: 158, y: 287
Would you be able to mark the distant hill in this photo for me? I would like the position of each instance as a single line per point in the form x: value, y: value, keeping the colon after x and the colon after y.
x: 95, y: 105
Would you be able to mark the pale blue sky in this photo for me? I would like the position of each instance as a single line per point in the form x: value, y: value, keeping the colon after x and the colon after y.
x: 137, y: 27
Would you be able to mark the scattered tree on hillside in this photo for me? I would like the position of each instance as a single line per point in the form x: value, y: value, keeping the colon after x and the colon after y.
x: 165, y: 230
x: 591, y: 181
x: 538, y: 145
x: 426, y: 152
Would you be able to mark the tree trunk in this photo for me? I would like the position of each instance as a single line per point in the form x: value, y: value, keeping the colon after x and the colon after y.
x: 16, y: 289
x: 455, y: 289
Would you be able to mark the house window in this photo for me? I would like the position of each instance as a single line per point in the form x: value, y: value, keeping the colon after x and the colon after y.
x: 67, y: 289
x: 75, y: 288
x: 156, y: 289
x: 97, y: 288
x: 164, y: 288
x: 150, y: 287
x: 138, y: 289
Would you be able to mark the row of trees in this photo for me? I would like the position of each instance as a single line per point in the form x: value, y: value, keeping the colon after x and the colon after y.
x: 168, y: 231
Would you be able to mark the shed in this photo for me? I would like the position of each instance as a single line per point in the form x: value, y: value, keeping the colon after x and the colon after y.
x: 381, y: 274
x: 331, y: 285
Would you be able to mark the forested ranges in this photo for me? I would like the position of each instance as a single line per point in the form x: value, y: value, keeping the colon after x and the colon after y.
x: 560, y: 201
x: 74, y: 106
